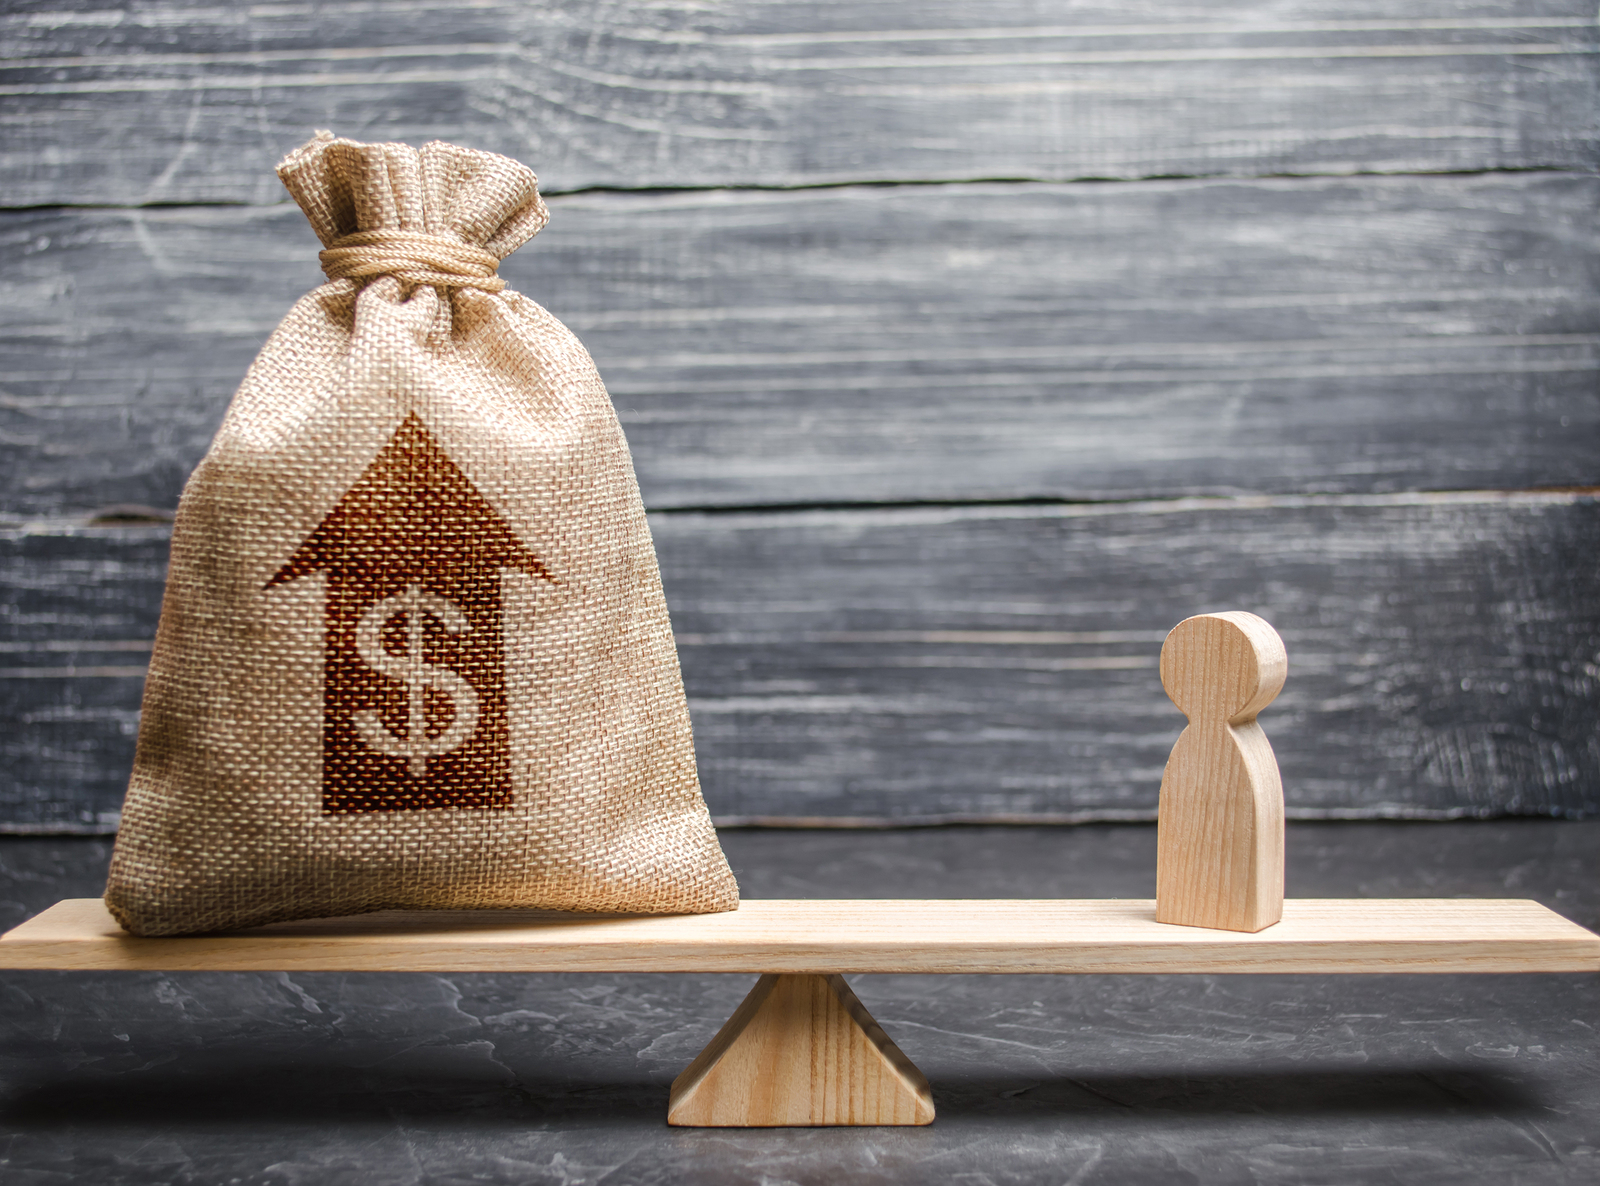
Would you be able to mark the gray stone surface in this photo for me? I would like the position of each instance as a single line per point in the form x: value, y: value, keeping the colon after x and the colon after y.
x: 313, y: 1079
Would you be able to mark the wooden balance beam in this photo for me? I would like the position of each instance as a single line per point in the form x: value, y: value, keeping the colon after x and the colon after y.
x: 801, y: 1049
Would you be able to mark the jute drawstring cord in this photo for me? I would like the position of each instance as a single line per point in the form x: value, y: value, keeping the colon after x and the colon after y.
x: 412, y: 257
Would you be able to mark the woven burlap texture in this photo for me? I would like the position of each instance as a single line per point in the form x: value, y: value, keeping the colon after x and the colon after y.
x: 414, y: 652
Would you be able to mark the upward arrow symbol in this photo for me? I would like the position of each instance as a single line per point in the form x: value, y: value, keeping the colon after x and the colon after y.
x: 414, y: 701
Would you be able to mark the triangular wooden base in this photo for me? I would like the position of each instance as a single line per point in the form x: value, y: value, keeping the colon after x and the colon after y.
x: 800, y: 1051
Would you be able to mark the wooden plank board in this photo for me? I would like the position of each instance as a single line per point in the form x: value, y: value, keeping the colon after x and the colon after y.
x: 85, y: 601
x: 1001, y: 662
x: 1327, y: 935
x: 176, y: 101
x: 938, y: 664
x: 904, y: 344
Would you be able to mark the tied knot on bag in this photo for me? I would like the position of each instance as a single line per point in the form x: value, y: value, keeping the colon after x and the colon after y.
x: 412, y: 257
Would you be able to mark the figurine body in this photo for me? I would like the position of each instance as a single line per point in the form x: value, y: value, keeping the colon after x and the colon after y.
x: 1219, y: 860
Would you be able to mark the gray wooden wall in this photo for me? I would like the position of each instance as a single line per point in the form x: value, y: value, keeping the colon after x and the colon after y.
x: 963, y: 350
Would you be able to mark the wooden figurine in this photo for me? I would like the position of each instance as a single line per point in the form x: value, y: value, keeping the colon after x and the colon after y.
x: 1219, y: 848
x: 803, y: 1051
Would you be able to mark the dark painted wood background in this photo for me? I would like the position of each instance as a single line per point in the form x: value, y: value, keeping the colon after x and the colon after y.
x: 963, y: 350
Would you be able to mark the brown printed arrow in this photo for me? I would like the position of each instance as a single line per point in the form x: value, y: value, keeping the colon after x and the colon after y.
x: 414, y: 696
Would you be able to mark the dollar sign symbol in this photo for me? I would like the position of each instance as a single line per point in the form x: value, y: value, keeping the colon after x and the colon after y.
x: 411, y: 668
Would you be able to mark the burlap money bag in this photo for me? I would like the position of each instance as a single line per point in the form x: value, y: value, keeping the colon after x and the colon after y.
x: 414, y: 651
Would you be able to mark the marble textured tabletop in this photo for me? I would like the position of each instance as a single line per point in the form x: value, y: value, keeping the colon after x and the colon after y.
x: 402, y: 1078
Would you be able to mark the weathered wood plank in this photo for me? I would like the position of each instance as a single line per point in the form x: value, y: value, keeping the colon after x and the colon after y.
x: 180, y: 101
x: 984, y: 663
x: 77, y: 613
x: 1002, y: 662
x: 864, y: 344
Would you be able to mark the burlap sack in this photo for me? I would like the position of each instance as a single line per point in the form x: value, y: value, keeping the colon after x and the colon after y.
x: 414, y: 651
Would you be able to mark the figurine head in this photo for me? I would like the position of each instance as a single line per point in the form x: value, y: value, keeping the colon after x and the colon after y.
x: 1223, y: 667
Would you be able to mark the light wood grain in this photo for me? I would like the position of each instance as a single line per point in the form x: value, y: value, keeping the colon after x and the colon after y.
x: 189, y: 100
x: 1219, y: 852
x: 800, y: 1051
x: 1089, y: 935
